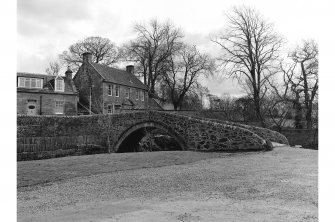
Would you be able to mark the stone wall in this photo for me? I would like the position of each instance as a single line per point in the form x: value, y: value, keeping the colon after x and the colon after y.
x: 307, y: 138
x: 192, y: 133
x: 267, y: 134
x: 206, y: 135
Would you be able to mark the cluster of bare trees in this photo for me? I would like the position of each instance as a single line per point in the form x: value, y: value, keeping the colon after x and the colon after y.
x: 298, y: 87
x: 232, y: 108
x: 102, y: 49
x: 182, y: 72
x: 277, y: 85
x: 251, y: 49
x: 166, y: 62
x: 155, y: 43
x: 252, y: 54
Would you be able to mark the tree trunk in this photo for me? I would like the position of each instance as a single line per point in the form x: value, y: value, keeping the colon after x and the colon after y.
x: 152, y: 87
x: 309, y: 119
x: 308, y: 106
x: 258, y: 108
x: 175, y: 106
x: 298, y: 115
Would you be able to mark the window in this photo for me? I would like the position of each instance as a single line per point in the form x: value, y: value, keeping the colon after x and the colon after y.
x: 110, y: 90
x: 59, y: 84
x: 137, y: 94
x: 117, y: 91
x: 128, y: 93
x: 59, y: 107
x: 27, y: 83
x: 30, y: 82
x: 21, y: 81
x: 142, y: 95
x: 33, y: 83
x: 109, y: 109
x: 39, y: 83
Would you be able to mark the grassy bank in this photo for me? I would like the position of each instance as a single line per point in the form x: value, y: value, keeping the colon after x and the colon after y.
x: 280, y: 185
x: 50, y: 170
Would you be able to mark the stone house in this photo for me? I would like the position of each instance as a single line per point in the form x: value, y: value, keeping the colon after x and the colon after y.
x: 103, y: 89
x: 39, y: 94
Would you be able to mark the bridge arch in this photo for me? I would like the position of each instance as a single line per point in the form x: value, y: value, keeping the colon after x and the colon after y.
x: 133, y: 134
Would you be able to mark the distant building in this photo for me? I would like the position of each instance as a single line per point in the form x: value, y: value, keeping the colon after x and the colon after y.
x: 39, y: 94
x: 103, y: 89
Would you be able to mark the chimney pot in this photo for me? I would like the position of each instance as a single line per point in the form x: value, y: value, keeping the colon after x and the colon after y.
x: 130, y: 69
x: 68, y: 73
x: 87, y: 57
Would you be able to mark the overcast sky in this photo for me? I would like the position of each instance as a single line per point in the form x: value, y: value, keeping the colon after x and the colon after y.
x: 47, y: 27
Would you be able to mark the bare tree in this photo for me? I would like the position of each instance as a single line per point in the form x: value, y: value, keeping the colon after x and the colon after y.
x: 102, y: 49
x: 214, y: 102
x: 183, y: 70
x: 306, y: 57
x: 280, y: 98
x: 245, y: 107
x: 154, y: 44
x: 202, y: 92
x: 53, y: 69
x: 251, y: 49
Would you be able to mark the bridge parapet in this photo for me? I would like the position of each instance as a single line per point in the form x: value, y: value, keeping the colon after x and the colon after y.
x: 267, y: 134
x: 207, y: 135
x: 192, y: 133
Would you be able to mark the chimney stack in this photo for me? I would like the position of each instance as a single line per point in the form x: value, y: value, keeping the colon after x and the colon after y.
x: 68, y: 73
x: 130, y: 69
x: 87, y: 57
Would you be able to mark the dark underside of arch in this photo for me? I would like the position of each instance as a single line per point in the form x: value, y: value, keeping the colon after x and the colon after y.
x: 129, y: 140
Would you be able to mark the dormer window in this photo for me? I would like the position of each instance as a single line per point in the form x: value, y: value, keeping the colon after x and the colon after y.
x: 59, y: 84
x: 34, y: 83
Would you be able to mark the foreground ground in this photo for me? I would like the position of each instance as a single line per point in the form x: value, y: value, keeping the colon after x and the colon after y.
x: 279, y: 185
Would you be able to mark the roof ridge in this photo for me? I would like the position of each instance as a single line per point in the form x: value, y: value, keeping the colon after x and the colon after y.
x: 96, y: 70
x: 110, y: 67
x: 110, y: 73
x: 31, y: 73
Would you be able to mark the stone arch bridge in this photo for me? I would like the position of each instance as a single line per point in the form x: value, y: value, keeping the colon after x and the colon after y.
x: 124, y: 129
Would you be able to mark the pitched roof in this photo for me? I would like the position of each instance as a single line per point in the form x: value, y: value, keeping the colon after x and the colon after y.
x: 48, y: 84
x: 153, y: 104
x: 118, y: 76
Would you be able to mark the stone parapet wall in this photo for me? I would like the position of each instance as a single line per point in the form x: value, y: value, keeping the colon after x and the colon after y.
x: 270, y: 135
x: 193, y: 133
x: 207, y: 135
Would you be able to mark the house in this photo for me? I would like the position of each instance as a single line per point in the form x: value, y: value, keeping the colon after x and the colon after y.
x: 40, y: 94
x: 103, y: 89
